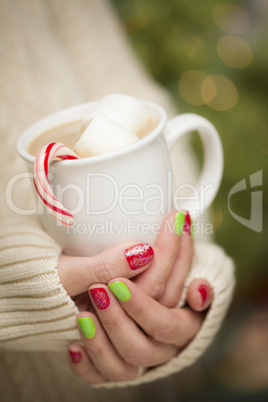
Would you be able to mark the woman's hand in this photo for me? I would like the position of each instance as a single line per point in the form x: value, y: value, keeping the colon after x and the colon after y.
x: 130, y: 330
x: 78, y: 273
x: 142, y: 331
x: 174, y: 251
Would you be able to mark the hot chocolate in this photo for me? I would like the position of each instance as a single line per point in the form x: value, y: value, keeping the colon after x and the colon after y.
x: 116, y: 122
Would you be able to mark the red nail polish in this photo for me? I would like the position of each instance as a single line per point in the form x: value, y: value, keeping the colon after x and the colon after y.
x: 100, y: 297
x: 75, y: 356
x: 139, y: 255
x: 203, y: 290
x: 187, y: 223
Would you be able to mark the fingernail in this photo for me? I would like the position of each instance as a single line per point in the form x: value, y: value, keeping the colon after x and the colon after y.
x: 204, y: 292
x: 120, y: 290
x: 183, y: 223
x: 75, y: 356
x: 87, y: 326
x: 100, y: 297
x: 140, y: 255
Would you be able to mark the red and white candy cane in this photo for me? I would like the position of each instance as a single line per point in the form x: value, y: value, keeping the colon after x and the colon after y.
x: 41, y: 183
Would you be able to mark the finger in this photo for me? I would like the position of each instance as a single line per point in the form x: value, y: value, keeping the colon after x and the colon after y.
x: 170, y: 326
x: 101, y: 351
x: 173, y: 255
x: 166, y: 249
x: 78, y: 273
x: 199, y: 294
x: 135, y: 347
x: 82, y: 366
x: 181, y: 267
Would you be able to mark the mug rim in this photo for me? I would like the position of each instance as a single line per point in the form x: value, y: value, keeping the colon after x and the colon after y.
x: 24, y: 141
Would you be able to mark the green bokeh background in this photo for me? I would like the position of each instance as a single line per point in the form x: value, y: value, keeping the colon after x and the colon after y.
x: 173, y: 37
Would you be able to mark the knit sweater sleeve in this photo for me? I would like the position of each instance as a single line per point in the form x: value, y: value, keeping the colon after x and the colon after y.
x: 35, y: 311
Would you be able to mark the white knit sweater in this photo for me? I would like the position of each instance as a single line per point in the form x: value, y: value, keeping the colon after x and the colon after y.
x: 54, y: 54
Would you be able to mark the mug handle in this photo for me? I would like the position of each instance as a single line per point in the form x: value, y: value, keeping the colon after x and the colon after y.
x: 211, y: 174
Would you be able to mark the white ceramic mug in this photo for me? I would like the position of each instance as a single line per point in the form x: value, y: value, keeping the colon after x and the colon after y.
x: 124, y: 195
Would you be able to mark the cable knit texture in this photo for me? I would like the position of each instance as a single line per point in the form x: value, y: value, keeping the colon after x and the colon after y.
x: 55, y: 54
x: 35, y: 310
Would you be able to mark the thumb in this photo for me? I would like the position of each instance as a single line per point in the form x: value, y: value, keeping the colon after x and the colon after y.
x: 127, y: 260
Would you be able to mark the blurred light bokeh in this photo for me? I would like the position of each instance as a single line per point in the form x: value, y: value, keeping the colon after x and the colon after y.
x: 212, y: 56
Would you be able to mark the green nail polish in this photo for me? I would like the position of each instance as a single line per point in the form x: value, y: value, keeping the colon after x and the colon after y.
x: 183, y: 223
x: 179, y: 222
x: 120, y: 290
x: 87, y: 326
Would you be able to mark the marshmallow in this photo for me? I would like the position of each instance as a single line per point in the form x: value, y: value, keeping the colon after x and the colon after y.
x: 102, y: 136
x: 124, y: 110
